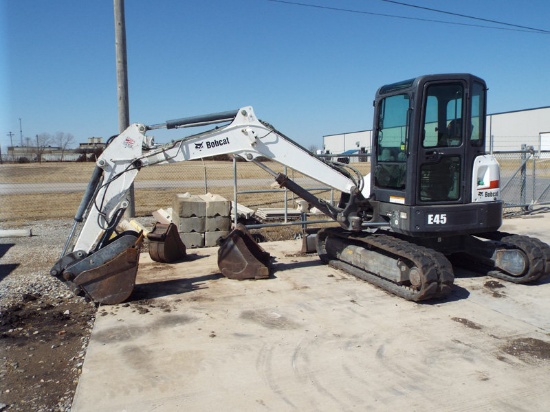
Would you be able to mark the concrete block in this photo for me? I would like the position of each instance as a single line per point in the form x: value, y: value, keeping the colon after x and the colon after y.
x: 192, y: 240
x: 211, y: 238
x: 196, y: 214
x: 242, y: 211
x: 133, y: 224
x: 163, y: 216
x: 217, y: 223
x: 216, y: 205
x: 187, y: 205
x: 191, y: 224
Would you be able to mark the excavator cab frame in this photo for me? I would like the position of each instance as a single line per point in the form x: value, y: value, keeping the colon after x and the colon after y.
x: 429, y: 133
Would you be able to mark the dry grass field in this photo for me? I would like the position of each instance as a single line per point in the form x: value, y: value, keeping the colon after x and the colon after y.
x: 196, y: 177
x: 162, y: 183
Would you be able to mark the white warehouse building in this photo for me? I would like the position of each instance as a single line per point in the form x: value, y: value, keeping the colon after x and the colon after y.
x: 509, y: 130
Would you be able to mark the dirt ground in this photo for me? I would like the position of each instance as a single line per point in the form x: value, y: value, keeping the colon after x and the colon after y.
x: 44, y: 328
x: 43, y: 343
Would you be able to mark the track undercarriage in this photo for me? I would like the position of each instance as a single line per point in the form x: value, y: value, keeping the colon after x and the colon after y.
x: 528, y: 260
x: 420, y: 269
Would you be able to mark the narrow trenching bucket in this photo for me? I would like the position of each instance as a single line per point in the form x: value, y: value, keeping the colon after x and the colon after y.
x: 165, y: 244
x: 240, y: 257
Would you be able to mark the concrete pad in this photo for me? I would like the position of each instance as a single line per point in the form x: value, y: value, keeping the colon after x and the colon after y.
x: 313, y: 338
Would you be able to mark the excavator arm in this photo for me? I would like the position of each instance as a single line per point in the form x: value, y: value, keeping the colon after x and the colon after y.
x: 245, y: 137
x: 106, y: 198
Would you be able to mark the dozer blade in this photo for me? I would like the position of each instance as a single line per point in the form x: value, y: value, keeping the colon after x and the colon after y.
x: 240, y: 257
x: 108, y: 275
x: 165, y: 243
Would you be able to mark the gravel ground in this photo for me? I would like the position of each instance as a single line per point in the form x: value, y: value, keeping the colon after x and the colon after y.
x: 44, y: 328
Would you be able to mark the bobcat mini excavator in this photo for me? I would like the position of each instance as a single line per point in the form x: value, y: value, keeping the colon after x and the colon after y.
x: 433, y: 196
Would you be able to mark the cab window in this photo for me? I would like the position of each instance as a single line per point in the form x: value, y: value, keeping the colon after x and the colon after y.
x: 443, y: 121
x: 392, y: 135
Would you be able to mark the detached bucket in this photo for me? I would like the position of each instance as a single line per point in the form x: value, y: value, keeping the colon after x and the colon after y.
x: 240, y: 257
x: 165, y: 243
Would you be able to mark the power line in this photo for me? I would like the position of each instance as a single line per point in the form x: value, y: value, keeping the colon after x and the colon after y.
x: 466, y: 16
x: 316, y: 6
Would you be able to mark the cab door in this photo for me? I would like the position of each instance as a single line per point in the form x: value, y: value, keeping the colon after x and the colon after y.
x: 442, y: 147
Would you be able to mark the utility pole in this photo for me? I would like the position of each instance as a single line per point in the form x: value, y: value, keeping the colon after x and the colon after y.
x: 38, y: 151
x: 10, y: 134
x: 122, y: 83
x: 21, y: 132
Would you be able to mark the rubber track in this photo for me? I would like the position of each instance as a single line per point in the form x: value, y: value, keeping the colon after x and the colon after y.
x: 436, y: 270
x: 537, y: 252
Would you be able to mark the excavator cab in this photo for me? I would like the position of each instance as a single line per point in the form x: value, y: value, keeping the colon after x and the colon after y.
x: 428, y: 146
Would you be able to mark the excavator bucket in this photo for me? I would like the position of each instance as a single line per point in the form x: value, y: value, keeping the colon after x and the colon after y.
x: 109, y: 275
x: 240, y: 257
x: 165, y: 243
x: 112, y: 282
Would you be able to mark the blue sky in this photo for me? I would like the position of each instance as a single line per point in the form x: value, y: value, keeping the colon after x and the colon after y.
x: 309, y: 71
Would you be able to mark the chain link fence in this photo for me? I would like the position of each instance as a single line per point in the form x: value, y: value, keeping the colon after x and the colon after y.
x: 524, y: 180
x: 36, y: 191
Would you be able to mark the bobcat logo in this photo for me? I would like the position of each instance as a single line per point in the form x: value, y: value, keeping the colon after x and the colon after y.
x: 198, y: 146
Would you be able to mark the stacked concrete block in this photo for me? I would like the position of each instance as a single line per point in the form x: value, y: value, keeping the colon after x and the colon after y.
x: 201, y: 219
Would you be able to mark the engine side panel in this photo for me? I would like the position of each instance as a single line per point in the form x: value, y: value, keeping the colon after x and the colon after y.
x: 443, y: 220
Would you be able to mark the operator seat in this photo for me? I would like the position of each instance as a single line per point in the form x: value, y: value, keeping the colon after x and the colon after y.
x: 454, y: 132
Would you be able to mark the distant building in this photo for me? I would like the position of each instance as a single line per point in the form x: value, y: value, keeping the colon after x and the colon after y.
x: 54, y: 153
x: 359, y: 142
x: 508, y: 130
x: 92, y: 144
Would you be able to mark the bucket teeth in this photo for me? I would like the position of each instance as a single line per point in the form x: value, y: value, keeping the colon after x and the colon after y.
x: 240, y: 257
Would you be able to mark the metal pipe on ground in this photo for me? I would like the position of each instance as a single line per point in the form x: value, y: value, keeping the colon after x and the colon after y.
x: 15, y: 233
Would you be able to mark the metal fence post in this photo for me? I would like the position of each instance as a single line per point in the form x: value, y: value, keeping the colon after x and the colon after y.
x: 534, y: 178
x: 235, y: 218
x: 205, y: 177
x: 286, y: 196
x: 523, y: 174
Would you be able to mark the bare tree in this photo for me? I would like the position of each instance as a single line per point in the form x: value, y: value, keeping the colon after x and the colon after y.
x: 43, y: 140
x: 63, y: 141
x: 313, y: 148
